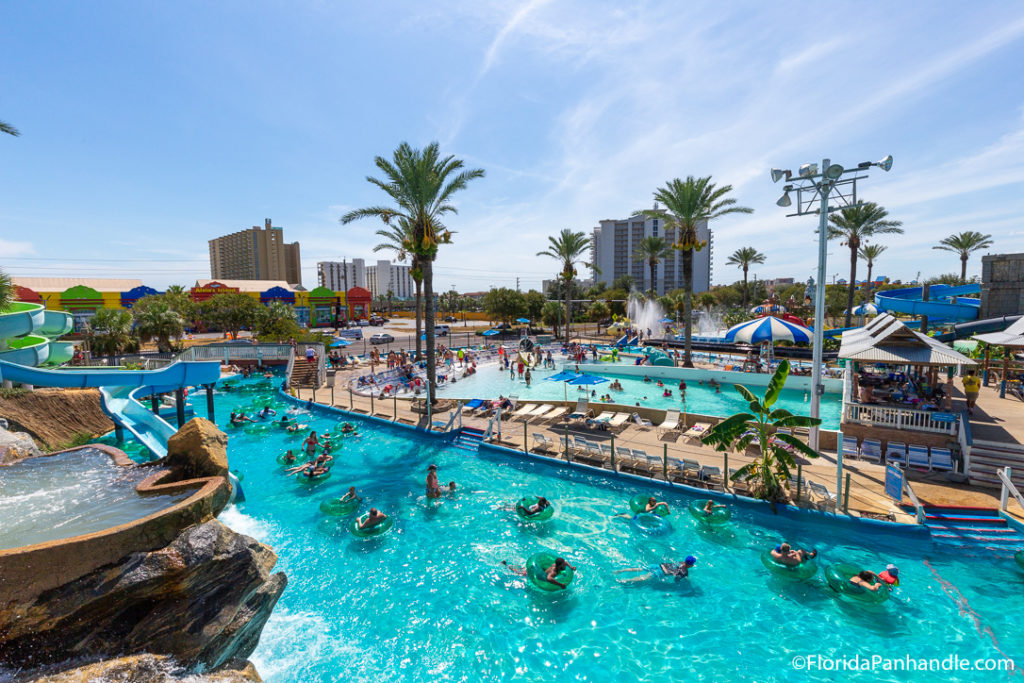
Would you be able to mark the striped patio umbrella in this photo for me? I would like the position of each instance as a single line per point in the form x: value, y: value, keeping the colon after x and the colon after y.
x: 768, y: 329
x: 761, y: 309
x: 867, y: 308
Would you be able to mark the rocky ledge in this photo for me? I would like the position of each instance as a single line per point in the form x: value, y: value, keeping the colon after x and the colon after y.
x: 198, y: 602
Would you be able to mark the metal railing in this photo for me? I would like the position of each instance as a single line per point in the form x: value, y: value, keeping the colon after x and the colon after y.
x: 965, y: 441
x: 918, y: 508
x: 321, y: 361
x: 227, y: 353
x: 1008, y: 489
x: 897, y: 418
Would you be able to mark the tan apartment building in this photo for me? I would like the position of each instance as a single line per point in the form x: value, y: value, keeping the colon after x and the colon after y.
x: 255, y: 254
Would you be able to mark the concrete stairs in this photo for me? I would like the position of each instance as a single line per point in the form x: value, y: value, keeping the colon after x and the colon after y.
x: 970, y: 527
x: 469, y: 439
x: 303, y: 375
x: 989, y: 456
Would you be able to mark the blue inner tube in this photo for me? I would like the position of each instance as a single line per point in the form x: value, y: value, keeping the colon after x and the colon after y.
x: 536, y: 572
x: 523, y: 505
x: 838, y: 577
x: 650, y: 524
x: 801, y: 572
x: 335, y: 506
x: 377, y: 530
x: 638, y: 503
x: 718, y: 516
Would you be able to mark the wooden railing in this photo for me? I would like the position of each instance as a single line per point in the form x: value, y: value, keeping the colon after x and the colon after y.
x: 897, y: 418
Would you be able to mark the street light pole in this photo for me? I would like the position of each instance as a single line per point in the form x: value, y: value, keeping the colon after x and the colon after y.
x: 810, y: 185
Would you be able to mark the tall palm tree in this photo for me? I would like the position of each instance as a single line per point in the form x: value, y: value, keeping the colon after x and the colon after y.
x: 870, y: 253
x: 6, y: 291
x: 568, y: 247
x: 175, y: 289
x: 964, y: 243
x: 743, y: 258
x: 421, y: 183
x: 687, y: 203
x: 854, y: 225
x: 9, y: 129
x: 397, y: 237
x: 159, y: 322
x: 652, y: 250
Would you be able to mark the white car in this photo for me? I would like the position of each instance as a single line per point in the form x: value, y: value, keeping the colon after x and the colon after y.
x: 381, y: 338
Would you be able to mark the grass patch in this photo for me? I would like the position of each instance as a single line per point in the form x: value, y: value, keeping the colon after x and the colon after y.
x: 79, y: 439
x: 12, y: 392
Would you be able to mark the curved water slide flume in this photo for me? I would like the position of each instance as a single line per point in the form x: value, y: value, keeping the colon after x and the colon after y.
x: 944, y: 304
x: 117, y: 386
x: 28, y: 331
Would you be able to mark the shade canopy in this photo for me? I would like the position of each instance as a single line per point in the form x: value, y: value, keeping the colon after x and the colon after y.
x: 666, y: 320
x: 522, y: 320
x: 762, y: 309
x: 587, y: 379
x: 1011, y: 336
x: 563, y: 376
x: 867, y: 308
x: 768, y: 329
x: 887, y: 340
x: 492, y: 333
x: 340, y: 342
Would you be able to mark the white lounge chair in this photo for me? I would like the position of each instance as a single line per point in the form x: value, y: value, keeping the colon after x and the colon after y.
x: 540, y: 410
x: 821, y: 491
x: 917, y: 456
x: 942, y: 459
x: 582, y: 410
x: 710, y: 474
x: 554, y: 414
x: 525, y: 410
x: 697, y: 431
x: 871, y: 450
x: 617, y: 420
x: 670, y: 423
x: 640, y: 462
x: 896, y: 451
x: 640, y: 422
x: 623, y: 457
x: 541, y: 442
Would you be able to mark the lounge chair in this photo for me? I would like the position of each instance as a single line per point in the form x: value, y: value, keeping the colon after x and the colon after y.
x: 697, y: 431
x: 896, y: 452
x: 821, y: 491
x: 525, y: 410
x: 554, y: 414
x: 640, y: 422
x: 871, y: 449
x: 541, y: 442
x: 592, y: 454
x: 473, y: 406
x: 582, y: 410
x: 942, y: 459
x: 617, y: 420
x: 691, y: 469
x: 539, y: 410
x: 850, y: 448
x: 606, y: 452
x: 917, y: 456
x: 711, y: 475
x: 670, y: 423
x: 623, y: 457
x: 641, y: 462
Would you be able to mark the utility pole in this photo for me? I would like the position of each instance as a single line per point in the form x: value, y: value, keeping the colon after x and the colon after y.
x: 517, y: 283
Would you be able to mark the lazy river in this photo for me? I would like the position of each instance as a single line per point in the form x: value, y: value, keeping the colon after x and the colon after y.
x: 430, y: 599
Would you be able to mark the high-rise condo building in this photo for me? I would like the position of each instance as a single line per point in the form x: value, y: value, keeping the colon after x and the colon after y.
x: 255, y: 254
x: 380, y: 278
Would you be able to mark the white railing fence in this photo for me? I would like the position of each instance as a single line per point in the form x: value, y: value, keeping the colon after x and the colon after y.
x: 918, y: 508
x: 897, y: 418
x: 1008, y: 489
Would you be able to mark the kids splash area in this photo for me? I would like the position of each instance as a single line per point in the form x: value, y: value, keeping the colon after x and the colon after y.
x: 482, y: 542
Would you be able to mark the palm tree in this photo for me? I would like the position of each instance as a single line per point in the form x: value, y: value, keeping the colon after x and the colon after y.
x: 175, y: 289
x: 159, y: 322
x: 688, y: 202
x: 854, y: 225
x: 706, y: 300
x: 6, y: 291
x: 568, y: 247
x: 396, y: 238
x: 743, y: 258
x: 652, y: 250
x: 870, y: 252
x: 964, y: 243
x: 421, y: 183
x: 9, y: 129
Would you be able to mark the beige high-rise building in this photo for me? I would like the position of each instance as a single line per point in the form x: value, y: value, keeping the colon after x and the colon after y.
x: 255, y: 254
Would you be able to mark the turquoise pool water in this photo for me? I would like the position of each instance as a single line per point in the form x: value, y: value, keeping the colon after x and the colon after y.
x: 490, y: 382
x: 430, y: 601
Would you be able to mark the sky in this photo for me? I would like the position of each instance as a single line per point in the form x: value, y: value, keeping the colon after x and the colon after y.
x: 149, y: 128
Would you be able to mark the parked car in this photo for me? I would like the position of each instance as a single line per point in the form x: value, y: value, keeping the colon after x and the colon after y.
x: 362, y: 322
x: 377, y: 320
x: 441, y: 330
x: 451, y: 319
x: 350, y: 333
x: 381, y: 338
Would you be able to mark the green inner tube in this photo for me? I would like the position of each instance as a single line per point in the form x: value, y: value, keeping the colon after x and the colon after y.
x: 309, y: 481
x: 650, y: 523
x: 1019, y: 556
x: 536, y: 567
x: 257, y: 428
x: 638, y: 503
x: 523, y: 505
x: 719, y: 516
x: 377, y: 530
x: 282, y: 460
x: 838, y: 577
x: 801, y: 572
x: 339, y: 429
x: 335, y: 506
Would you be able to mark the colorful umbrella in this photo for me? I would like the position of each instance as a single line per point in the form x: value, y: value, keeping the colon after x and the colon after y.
x: 492, y: 333
x: 768, y: 329
x: 522, y: 320
x: 866, y: 309
x: 761, y: 309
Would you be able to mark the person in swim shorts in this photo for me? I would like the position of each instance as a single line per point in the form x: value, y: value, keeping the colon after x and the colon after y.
x: 433, y: 485
x: 677, y: 570
x: 787, y: 555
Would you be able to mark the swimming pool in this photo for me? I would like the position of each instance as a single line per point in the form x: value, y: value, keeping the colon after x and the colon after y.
x: 490, y: 382
x: 430, y: 601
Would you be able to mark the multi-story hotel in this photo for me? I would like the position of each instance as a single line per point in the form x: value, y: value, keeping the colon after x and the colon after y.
x: 255, y: 254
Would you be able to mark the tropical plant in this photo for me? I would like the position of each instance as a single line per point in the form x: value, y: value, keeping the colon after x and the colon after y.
x: 706, y: 300
x: 111, y: 332
x: 9, y: 129
x: 870, y: 253
x: 964, y: 244
x: 397, y: 238
x: 504, y: 304
x: 6, y: 291
x: 551, y: 315
x: 155, y: 319
x: 652, y: 250
x: 687, y: 203
x: 599, y: 311
x: 277, y: 322
x: 534, y: 304
x: 768, y: 473
x: 421, y: 183
x: 854, y: 226
x: 231, y: 311
x: 567, y: 248
x: 626, y: 282
x: 743, y: 258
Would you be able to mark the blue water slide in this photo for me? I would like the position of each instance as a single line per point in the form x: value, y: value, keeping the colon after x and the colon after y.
x: 969, y: 329
x: 946, y: 303
x: 621, y: 341
x: 635, y: 341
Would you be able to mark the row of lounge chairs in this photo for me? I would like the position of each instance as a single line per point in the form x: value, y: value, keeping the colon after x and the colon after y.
x: 913, y: 455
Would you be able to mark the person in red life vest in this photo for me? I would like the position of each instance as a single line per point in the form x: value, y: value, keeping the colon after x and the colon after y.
x: 891, y: 576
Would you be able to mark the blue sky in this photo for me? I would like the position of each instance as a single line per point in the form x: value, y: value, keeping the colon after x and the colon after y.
x: 148, y: 128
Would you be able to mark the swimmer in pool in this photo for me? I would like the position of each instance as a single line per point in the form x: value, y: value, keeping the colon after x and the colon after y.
x: 351, y: 495
x: 541, y: 504
x: 868, y: 580
x: 552, y: 572
x: 791, y: 557
x: 651, y: 506
x: 709, y: 508
x: 433, y: 486
x: 374, y: 518
x: 677, y: 570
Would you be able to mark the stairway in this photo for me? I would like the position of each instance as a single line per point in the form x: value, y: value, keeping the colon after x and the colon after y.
x: 989, y: 456
x: 303, y: 375
x: 469, y: 439
x: 969, y: 527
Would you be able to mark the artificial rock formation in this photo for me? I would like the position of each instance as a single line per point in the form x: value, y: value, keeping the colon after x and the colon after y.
x: 202, y: 599
x: 197, y: 450
x: 15, y: 445
x: 146, y: 669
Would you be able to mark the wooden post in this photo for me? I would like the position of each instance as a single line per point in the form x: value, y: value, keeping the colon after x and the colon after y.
x: 799, y: 480
x: 1006, y: 370
x: 350, y: 403
x: 726, y: 482
x: 614, y: 468
x: 846, y: 495
x: 395, y: 418
x: 209, y: 402
x: 179, y: 401
x: 525, y: 448
x: 664, y: 461
x: 371, y: 407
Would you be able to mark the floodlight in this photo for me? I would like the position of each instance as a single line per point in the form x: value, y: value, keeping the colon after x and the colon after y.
x: 784, y: 200
x: 807, y: 170
x: 778, y: 174
x: 833, y: 171
x: 886, y: 163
